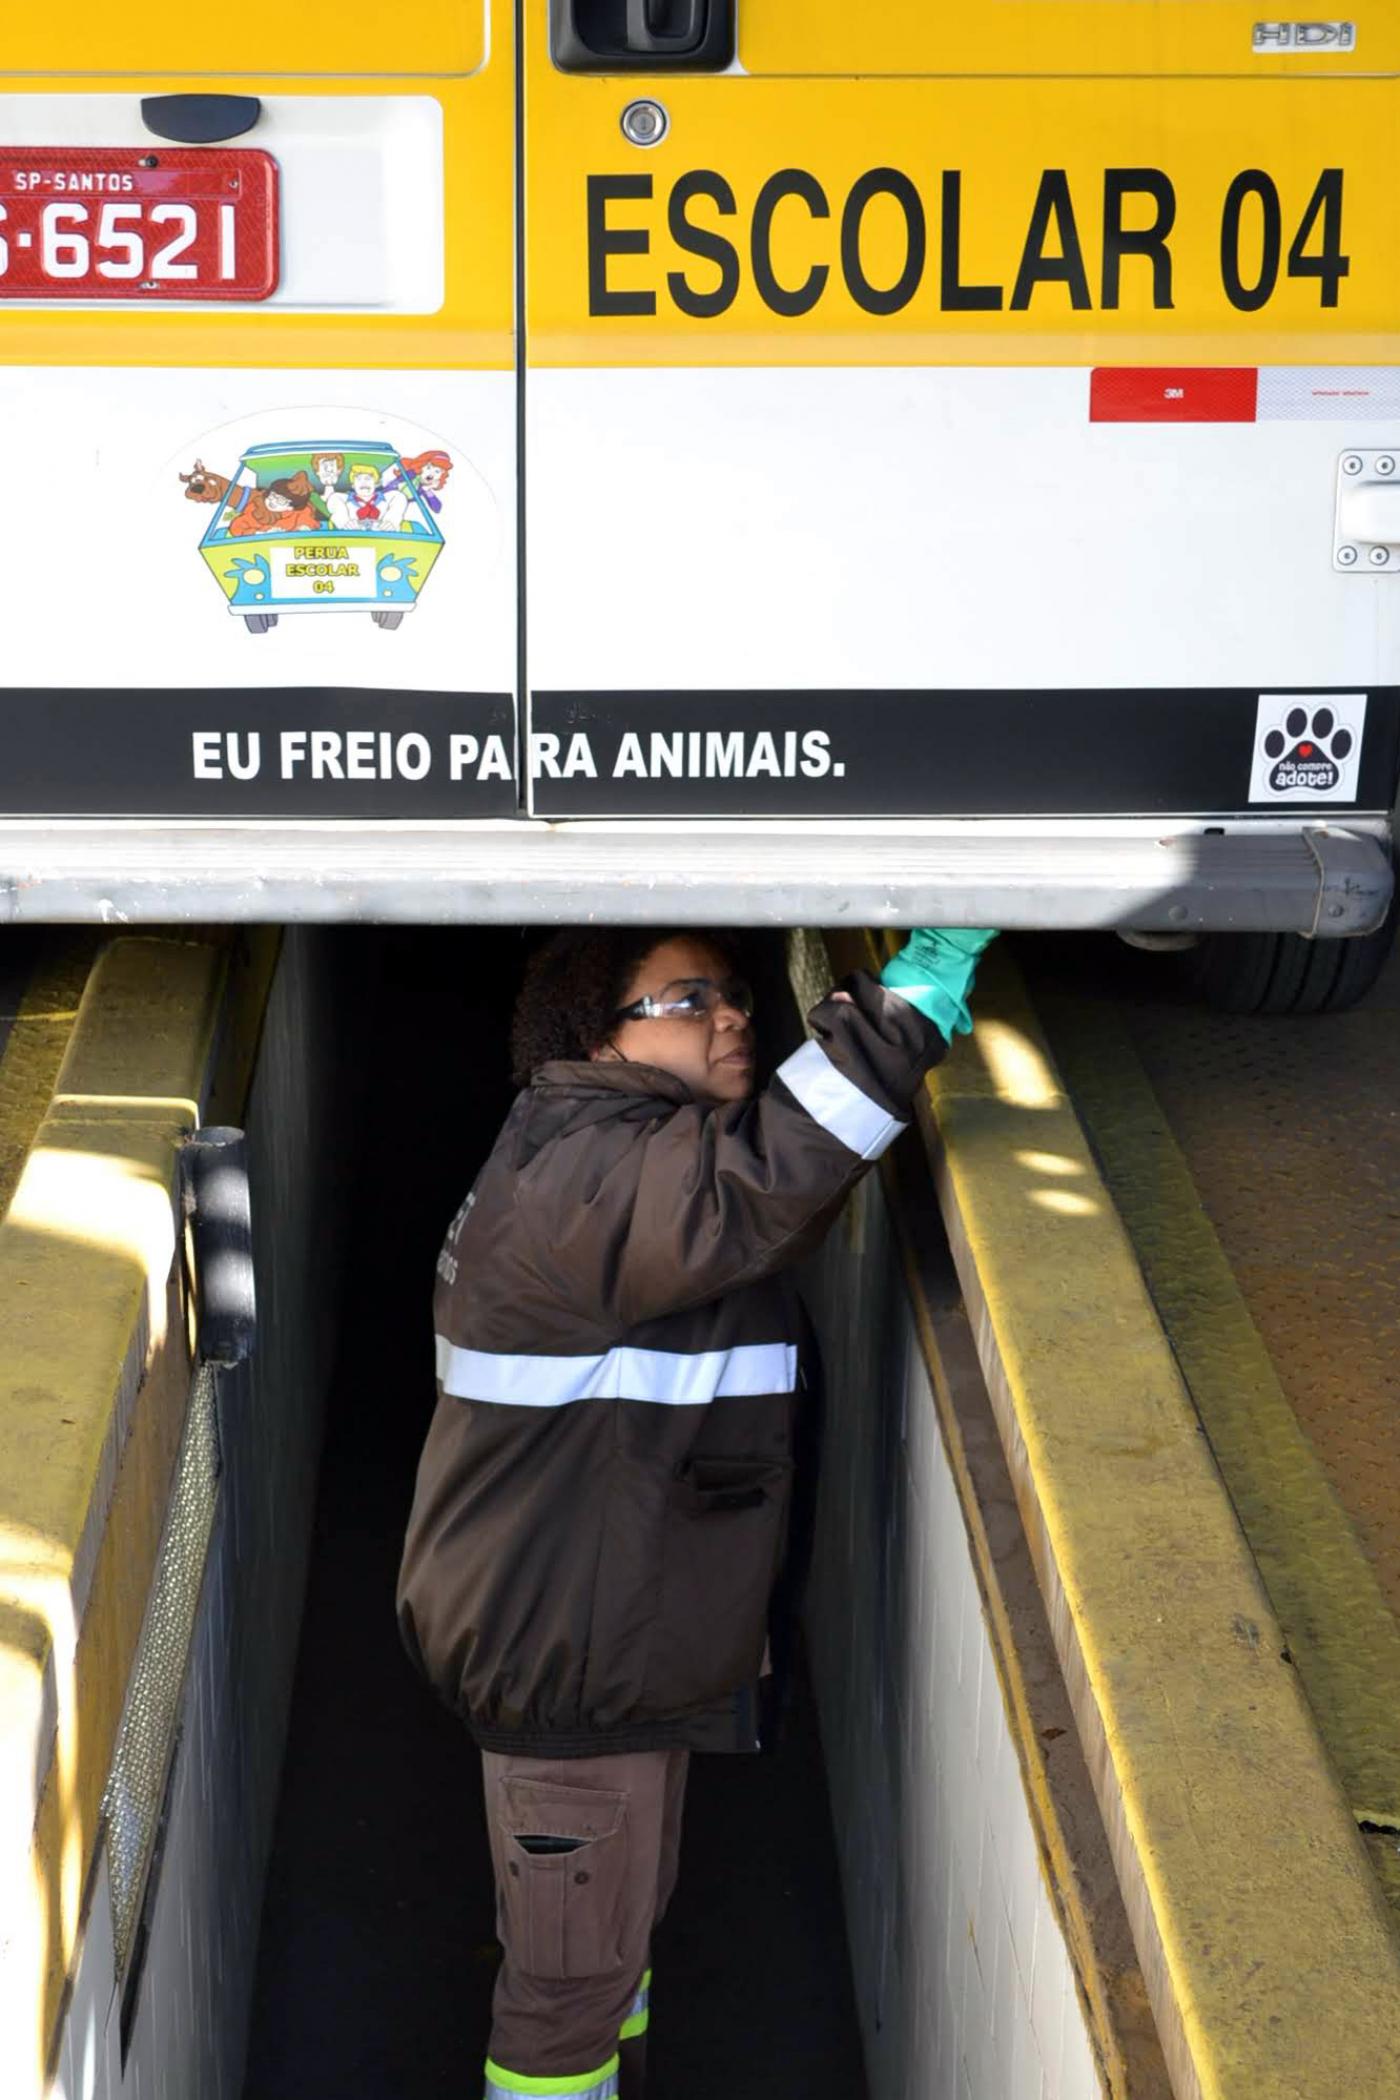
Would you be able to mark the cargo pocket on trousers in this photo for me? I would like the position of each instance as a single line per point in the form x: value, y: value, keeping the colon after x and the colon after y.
x: 564, y: 1855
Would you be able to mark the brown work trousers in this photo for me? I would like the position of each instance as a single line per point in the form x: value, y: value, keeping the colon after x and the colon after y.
x: 585, y: 1853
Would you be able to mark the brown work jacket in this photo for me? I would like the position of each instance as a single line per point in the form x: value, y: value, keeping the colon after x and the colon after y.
x: 602, y: 1499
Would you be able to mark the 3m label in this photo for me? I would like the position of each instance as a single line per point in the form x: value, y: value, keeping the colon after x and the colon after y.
x: 1152, y: 394
x: 1307, y: 747
x: 1200, y: 394
x: 1335, y: 394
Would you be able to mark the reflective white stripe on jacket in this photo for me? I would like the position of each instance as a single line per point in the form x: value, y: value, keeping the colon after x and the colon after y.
x: 663, y: 1377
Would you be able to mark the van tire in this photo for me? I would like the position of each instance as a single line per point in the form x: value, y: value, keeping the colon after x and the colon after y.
x: 1281, y: 973
x: 387, y: 619
x: 259, y: 623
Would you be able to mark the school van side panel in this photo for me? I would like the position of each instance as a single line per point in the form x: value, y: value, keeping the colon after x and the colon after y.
x: 987, y: 431
x: 264, y: 559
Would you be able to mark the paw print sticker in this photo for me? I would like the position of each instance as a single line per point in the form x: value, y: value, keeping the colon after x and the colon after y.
x: 1307, y: 749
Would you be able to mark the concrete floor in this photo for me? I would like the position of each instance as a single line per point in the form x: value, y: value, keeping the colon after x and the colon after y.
x: 378, y: 1953
x: 1290, y: 1131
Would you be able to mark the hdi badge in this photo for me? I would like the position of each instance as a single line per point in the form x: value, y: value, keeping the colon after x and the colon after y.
x: 1307, y: 747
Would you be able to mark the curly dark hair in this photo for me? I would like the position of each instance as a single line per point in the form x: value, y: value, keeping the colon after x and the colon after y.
x: 575, y: 983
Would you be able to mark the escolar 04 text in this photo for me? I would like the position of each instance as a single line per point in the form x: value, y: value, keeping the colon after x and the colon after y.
x: 1077, y: 241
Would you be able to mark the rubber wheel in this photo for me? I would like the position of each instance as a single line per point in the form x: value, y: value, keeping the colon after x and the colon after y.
x: 387, y: 619
x: 1281, y: 973
x: 259, y: 623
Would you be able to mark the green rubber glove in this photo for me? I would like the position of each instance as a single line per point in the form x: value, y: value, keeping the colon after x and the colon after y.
x: 934, y: 971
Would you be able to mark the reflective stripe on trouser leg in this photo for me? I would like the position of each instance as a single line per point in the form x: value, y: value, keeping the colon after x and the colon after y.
x: 640, y: 2014
x: 518, y: 2085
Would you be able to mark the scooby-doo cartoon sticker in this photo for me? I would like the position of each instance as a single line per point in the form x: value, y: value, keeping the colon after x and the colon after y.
x: 322, y: 528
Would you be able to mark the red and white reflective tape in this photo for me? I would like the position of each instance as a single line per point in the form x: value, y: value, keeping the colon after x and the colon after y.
x: 1242, y: 393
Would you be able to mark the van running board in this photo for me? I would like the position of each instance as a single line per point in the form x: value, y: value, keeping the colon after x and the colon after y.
x: 1318, y: 880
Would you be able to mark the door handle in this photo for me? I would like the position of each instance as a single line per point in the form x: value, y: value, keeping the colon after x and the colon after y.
x: 1366, y: 536
x: 635, y: 36
x: 1370, y: 512
x: 666, y: 27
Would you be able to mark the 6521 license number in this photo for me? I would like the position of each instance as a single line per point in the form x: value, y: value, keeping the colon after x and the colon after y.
x: 123, y: 223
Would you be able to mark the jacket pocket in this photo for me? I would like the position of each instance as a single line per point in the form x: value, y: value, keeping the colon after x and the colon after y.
x: 724, y: 1527
x: 564, y: 1853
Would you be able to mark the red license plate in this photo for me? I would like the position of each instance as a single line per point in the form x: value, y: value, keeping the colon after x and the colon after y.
x: 121, y: 222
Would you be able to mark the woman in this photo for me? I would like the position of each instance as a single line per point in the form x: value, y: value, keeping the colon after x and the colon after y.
x: 602, y: 1499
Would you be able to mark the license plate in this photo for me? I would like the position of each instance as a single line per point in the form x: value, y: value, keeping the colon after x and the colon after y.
x: 137, y: 223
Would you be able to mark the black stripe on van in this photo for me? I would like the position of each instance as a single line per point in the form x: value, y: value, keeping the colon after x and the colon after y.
x: 1006, y: 754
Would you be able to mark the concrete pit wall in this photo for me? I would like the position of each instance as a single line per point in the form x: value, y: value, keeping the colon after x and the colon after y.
x: 172, y: 2025
x: 963, y: 1977
x: 1159, y: 1875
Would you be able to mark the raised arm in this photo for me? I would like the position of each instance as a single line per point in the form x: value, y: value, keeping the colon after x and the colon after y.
x: 716, y: 1196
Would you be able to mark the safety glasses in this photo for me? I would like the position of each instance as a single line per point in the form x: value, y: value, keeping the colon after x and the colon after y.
x: 690, y: 999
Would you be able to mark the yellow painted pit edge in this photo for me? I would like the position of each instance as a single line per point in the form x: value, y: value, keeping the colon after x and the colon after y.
x: 1121, y: 2030
x: 1340, y: 1631
x: 37, y: 1042
x: 94, y: 1375
x: 1270, y: 1957
x: 1103, y: 1993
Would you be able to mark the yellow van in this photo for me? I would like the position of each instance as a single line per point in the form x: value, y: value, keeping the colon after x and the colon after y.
x: 928, y: 462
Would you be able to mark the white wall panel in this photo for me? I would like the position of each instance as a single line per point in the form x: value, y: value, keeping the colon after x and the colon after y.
x: 964, y: 1983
